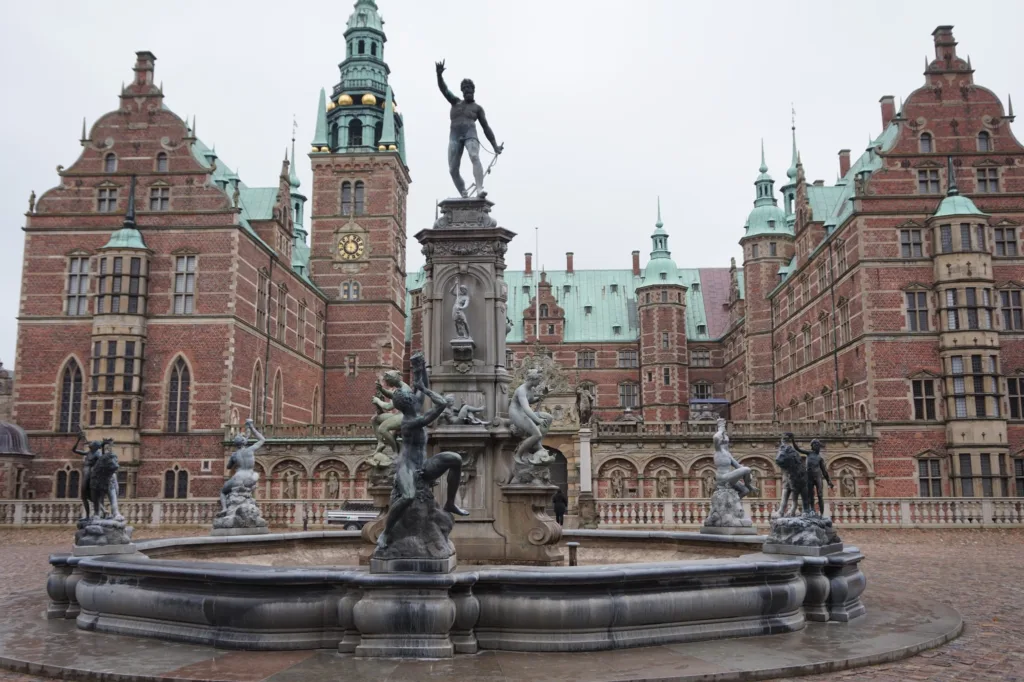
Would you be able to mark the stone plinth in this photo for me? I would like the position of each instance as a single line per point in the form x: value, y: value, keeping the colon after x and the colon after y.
x: 419, y: 540
x: 462, y: 213
x: 806, y: 535
x: 241, y: 513
x: 588, y: 511
x: 727, y: 516
x: 533, y: 536
x: 97, y: 532
x: 258, y: 530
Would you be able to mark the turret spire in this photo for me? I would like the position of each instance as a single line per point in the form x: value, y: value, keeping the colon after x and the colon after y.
x: 128, y: 237
x: 659, y: 224
x: 792, y: 172
x: 388, y: 141
x: 293, y: 178
x: 1009, y: 100
x: 129, y: 216
x: 951, y: 178
x: 764, y: 166
x: 320, y: 134
x: 659, y: 239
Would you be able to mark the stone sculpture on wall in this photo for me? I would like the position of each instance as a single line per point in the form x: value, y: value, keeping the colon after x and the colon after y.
x: 531, y: 461
x: 461, y: 293
x: 847, y: 484
x: 664, y: 486
x: 618, y: 484
x: 333, y: 485
x: 584, y: 403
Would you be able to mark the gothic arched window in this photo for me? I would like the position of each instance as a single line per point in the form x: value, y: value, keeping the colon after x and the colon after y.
x: 984, y: 142
x: 70, y: 399
x: 278, y: 400
x: 355, y: 133
x: 346, y: 198
x: 178, y: 395
x: 176, y: 483
x: 926, y: 143
x: 256, y: 395
x: 360, y: 198
x: 109, y: 163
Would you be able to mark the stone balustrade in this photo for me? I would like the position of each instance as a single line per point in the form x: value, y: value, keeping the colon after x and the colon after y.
x: 738, y: 429
x: 361, y: 430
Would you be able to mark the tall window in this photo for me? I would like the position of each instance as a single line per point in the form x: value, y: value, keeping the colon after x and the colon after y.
x: 176, y: 483
x: 360, y: 198
x: 70, y: 415
x: 700, y: 358
x: 911, y: 244
x: 966, y: 476
x: 346, y: 198
x: 840, y: 248
x: 586, y: 359
x: 543, y: 309
x: 184, y: 285
x: 178, y: 393
x: 845, y: 332
x: 946, y: 238
x: 134, y: 281
x: 702, y: 390
x: 278, y: 414
x: 1006, y: 241
x: 301, y: 327
x: 823, y: 276
x: 666, y: 376
x: 109, y: 163
x: 985, y: 460
x: 628, y: 358
x: 1018, y: 477
x: 928, y: 181
x: 984, y: 141
x: 988, y: 180
x: 773, y: 249
x: 979, y: 313
x: 256, y: 396
x: 926, y: 143
x: 318, y: 351
x: 929, y: 477
x: 67, y: 484
x: 952, y: 318
x: 628, y: 395
x: 664, y: 340
x: 1015, y: 393
x: 956, y: 365
x: 355, y: 133
x: 350, y: 291
x: 924, y: 399
x: 806, y: 335
x: 917, y: 311
x: 78, y: 286
x: 262, y: 299
x: 161, y: 162
x: 106, y: 200
x: 754, y: 251
x: 159, y: 198
x: 282, y: 312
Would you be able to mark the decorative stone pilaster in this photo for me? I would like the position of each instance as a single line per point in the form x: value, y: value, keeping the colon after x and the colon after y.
x: 56, y: 588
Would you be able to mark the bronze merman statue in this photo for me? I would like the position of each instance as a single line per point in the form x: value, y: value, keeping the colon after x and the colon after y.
x: 815, y: 472
x: 464, y: 115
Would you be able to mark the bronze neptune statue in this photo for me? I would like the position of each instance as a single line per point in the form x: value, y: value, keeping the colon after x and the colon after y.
x: 465, y: 113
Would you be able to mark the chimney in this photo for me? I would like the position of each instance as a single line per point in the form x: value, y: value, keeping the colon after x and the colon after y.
x: 529, y: 264
x: 844, y: 162
x: 568, y: 262
x: 888, y: 109
x: 144, y: 62
x: 945, y: 46
x: 819, y: 183
x: 636, y: 263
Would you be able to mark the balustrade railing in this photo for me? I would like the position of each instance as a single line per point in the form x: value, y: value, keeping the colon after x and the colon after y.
x: 306, y: 431
x: 749, y: 429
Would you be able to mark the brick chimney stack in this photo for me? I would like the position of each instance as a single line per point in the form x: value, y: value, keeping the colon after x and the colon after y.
x: 568, y: 262
x: 636, y: 263
x: 945, y: 46
x: 888, y: 103
x: 529, y: 264
x: 844, y: 162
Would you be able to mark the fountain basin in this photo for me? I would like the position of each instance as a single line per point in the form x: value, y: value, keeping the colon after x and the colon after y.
x: 187, y: 590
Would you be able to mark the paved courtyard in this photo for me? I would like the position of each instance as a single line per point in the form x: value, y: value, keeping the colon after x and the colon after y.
x: 980, y: 573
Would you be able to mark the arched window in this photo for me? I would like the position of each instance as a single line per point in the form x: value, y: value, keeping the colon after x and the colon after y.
x: 543, y: 309
x: 256, y: 395
x: 109, y: 163
x: 378, y: 132
x: 360, y: 198
x: 373, y: 49
x: 315, y: 416
x: 362, y: 47
x: 355, y: 291
x: 178, y: 397
x: 355, y: 133
x: 176, y: 483
x: 984, y: 142
x: 926, y: 143
x: 68, y: 480
x: 161, y: 163
x: 346, y: 198
x: 278, y: 400
x: 70, y: 416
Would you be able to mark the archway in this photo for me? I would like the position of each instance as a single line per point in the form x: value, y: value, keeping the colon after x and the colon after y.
x: 560, y: 471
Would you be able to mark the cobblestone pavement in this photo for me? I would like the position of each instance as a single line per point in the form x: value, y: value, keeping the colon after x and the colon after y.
x: 980, y: 573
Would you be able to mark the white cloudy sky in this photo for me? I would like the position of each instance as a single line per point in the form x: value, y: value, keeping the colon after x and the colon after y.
x: 602, y: 105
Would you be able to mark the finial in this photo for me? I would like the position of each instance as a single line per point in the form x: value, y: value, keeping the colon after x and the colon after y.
x: 926, y: 63
x: 792, y: 116
x: 764, y: 167
x: 1009, y: 99
x: 129, y: 217
x: 193, y: 125
x: 951, y: 178
x: 83, y: 128
x: 899, y: 112
x: 659, y: 224
x: 969, y: 63
x: 161, y: 87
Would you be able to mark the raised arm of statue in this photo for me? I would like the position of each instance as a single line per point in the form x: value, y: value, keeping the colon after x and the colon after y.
x: 799, y: 449
x: 260, y: 440
x: 441, y: 84
x: 74, y: 448
x: 440, y: 405
x: 498, y: 148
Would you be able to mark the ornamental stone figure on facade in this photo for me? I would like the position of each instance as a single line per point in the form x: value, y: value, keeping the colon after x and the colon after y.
x: 238, y: 508
x: 847, y: 484
x: 584, y: 404
x: 461, y: 293
x: 464, y: 115
x: 333, y: 485
x: 531, y: 461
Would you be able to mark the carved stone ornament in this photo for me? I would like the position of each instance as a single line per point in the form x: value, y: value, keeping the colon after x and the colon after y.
x: 472, y: 248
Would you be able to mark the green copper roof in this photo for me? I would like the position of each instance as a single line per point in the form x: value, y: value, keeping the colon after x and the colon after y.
x: 610, y: 296
x: 660, y: 267
x: 387, y: 136
x: 293, y: 177
x: 320, y: 134
x: 766, y: 217
x: 366, y: 16
x: 958, y: 204
x: 128, y: 237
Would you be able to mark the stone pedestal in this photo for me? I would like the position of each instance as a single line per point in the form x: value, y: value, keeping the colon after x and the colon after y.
x: 56, y: 589
x: 532, y: 535
x: 727, y: 516
x: 97, y: 532
x: 418, y: 542
x: 588, y: 511
x: 846, y: 585
x: 806, y: 535
x: 241, y: 516
x: 380, y: 492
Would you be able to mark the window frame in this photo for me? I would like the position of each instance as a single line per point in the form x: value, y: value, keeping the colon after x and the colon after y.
x: 1005, y: 240
x: 160, y: 198
x: 924, y: 399
x: 586, y: 359
x: 629, y: 394
x: 917, y: 310
x: 929, y: 476
x: 627, y: 358
x: 924, y: 140
x: 162, y: 162
x: 179, y: 397
x: 186, y: 267
x: 911, y: 243
x: 929, y: 182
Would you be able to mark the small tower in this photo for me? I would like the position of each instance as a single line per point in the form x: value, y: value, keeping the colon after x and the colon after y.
x: 789, y: 189
x: 297, y: 202
x: 767, y: 246
x: 661, y: 307
x: 118, y: 341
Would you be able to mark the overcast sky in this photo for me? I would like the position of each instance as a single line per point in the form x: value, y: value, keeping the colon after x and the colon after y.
x: 602, y: 105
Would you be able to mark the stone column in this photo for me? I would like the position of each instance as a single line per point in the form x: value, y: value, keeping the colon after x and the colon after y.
x: 587, y: 506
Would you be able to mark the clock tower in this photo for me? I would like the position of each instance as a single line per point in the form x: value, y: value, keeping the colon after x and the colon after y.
x: 360, y: 184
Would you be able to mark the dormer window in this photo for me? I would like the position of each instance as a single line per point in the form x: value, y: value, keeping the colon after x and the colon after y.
x: 616, y: 329
x: 161, y: 162
x: 526, y: 289
x: 567, y: 289
x: 695, y: 287
x: 925, y: 143
x: 663, y: 275
x: 614, y: 288
x: 588, y: 309
x: 109, y: 163
x: 771, y: 224
x: 702, y: 330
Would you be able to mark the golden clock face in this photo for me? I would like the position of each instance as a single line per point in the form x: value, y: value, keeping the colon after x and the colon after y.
x: 351, y: 247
